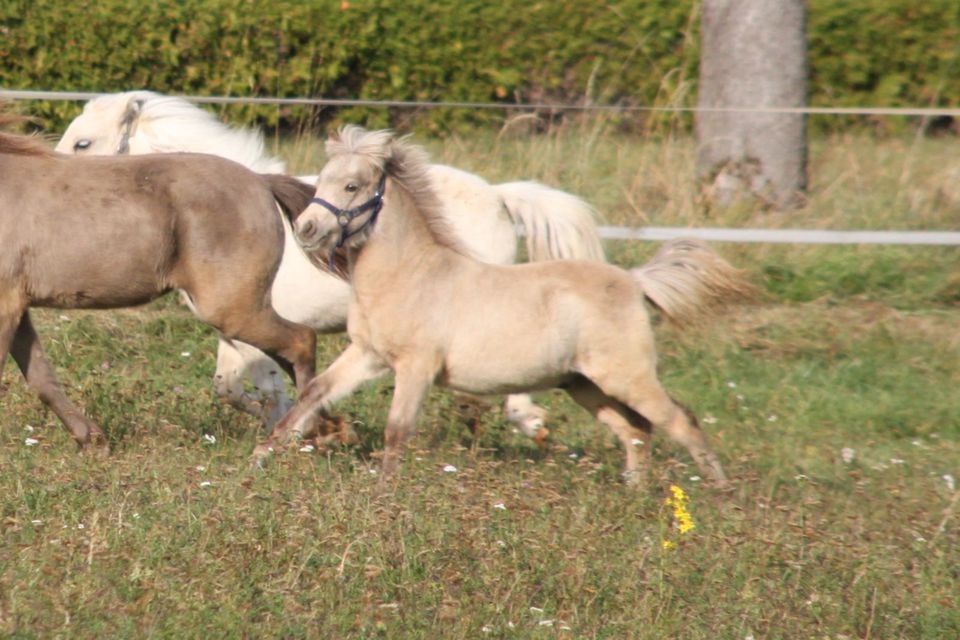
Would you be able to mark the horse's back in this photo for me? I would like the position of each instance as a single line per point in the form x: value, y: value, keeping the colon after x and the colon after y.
x: 105, y: 232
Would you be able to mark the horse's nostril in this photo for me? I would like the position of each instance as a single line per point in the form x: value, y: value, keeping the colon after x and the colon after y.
x: 306, y: 230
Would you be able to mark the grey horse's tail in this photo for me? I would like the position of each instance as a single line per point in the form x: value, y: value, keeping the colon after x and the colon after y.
x: 686, y: 279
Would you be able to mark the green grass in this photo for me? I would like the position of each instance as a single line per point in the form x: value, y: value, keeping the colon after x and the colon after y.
x: 851, y: 348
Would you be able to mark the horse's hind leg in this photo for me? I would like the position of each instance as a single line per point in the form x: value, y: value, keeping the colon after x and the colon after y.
x: 643, y: 393
x: 633, y: 430
x: 648, y: 398
x: 291, y: 345
x: 28, y: 353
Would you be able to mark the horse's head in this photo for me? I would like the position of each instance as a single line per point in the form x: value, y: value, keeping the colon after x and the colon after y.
x: 349, y: 192
x: 107, y: 126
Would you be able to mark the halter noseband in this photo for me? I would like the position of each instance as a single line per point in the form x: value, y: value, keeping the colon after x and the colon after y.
x: 346, y: 216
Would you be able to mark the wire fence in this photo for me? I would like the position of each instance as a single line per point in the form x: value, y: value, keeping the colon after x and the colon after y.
x: 792, y: 236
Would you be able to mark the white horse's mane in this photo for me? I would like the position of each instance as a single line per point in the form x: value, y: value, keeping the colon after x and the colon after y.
x: 173, y: 124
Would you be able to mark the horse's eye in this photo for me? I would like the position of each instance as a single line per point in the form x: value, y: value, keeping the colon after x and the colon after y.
x: 351, y: 187
x: 82, y: 144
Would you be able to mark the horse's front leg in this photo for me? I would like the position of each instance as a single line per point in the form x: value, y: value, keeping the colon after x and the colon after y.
x: 412, y: 385
x: 354, y: 367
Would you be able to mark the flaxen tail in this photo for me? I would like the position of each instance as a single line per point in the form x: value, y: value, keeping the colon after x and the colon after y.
x: 556, y: 224
x: 686, y: 279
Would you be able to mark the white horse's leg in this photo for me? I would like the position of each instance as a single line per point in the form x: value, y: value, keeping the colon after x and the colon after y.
x: 237, y: 361
x: 529, y: 417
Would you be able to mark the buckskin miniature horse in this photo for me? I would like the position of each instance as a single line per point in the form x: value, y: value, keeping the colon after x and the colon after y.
x: 425, y: 309
x: 114, y: 232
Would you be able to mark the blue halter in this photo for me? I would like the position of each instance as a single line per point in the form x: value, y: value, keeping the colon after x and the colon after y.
x: 346, y: 216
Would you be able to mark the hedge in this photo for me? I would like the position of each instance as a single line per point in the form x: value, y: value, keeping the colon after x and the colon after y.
x: 862, y: 52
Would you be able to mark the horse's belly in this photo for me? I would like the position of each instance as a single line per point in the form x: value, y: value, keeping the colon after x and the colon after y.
x: 505, y: 372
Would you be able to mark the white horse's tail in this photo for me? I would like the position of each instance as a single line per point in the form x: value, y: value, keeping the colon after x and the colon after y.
x: 557, y: 225
x: 685, y: 279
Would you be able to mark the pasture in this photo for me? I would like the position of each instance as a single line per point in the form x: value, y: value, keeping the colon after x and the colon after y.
x: 832, y: 403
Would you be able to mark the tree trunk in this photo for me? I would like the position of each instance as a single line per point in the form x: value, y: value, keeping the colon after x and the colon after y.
x: 754, y: 55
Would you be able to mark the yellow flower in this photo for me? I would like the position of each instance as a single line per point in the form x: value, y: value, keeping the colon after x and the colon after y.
x: 677, y: 502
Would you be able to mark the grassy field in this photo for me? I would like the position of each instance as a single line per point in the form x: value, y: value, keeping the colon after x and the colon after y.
x: 833, y: 403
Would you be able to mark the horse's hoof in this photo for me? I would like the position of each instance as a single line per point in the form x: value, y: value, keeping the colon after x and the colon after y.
x: 541, y: 436
x: 261, y: 456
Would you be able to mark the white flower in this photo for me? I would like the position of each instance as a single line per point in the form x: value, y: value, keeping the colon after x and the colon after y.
x: 732, y: 385
x: 637, y: 442
x: 136, y: 516
x: 206, y: 483
x: 916, y: 443
x: 184, y: 354
x: 847, y: 454
x: 573, y: 456
x: 373, y: 472
x: 449, y: 469
x: 307, y: 448
x: 486, y: 628
x: 201, y: 468
x: 212, y: 439
x: 500, y: 506
x: 897, y: 461
x: 80, y: 526
x: 951, y: 482
x: 36, y: 523
x: 695, y: 478
x: 28, y: 428
x: 30, y: 442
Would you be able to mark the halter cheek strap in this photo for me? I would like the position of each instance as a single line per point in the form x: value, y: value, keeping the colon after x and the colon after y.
x: 346, y: 216
x: 130, y: 117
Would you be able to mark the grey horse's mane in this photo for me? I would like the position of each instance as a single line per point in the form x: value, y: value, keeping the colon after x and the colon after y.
x: 407, y: 164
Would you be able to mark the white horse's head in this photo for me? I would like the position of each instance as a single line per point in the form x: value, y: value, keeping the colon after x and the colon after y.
x: 138, y: 122
x: 109, y: 125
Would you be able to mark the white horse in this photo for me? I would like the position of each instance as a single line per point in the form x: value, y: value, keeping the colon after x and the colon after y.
x: 580, y: 326
x: 485, y: 217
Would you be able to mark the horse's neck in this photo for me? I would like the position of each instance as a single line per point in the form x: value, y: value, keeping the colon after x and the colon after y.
x: 402, y: 239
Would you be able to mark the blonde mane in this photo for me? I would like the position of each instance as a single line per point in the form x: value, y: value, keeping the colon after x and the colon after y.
x: 408, y: 165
